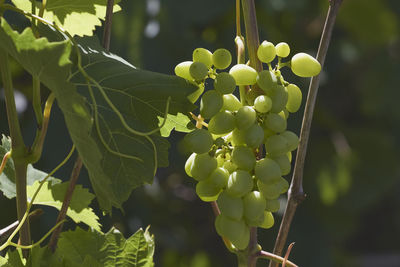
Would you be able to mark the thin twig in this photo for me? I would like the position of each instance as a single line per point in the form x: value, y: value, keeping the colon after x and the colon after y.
x: 108, y: 24
x: 274, y: 258
x: 67, y: 199
x: 287, y: 254
x: 296, y: 194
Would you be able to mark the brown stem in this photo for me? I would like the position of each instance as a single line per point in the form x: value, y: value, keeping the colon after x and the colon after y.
x: 108, y: 24
x: 67, y: 199
x: 274, y: 258
x: 296, y: 194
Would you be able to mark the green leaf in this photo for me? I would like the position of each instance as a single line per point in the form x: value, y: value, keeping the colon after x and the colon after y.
x: 78, y: 17
x: 178, y: 122
x: 52, y: 194
x: 7, y: 177
x: 141, y: 97
x: 110, y: 249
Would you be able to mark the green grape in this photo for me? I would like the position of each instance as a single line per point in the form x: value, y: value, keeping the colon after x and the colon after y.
x: 268, y: 133
x: 282, y: 49
x: 238, y: 137
x: 229, y: 166
x: 304, y: 65
x: 243, y: 157
x: 243, y: 74
x: 202, y: 166
x: 268, y: 221
x: 243, y: 241
x: 279, y: 99
x: 262, y: 104
x: 267, y: 81
x: 276, y: 145
x: 188, y: 164
x: 222, y: 123
x: 267, y: 170
x: 196, y: 94
x: 254, y: 205
x: 221, y: 58
x: 266, y: 52
x: 202, y: 55
x: 284, y: 163
x: 284, y: 114
x: 207, y: 191
x: 211, y: 102
x: 273, y: 205
x: 294, y: 98
x: 198, y: 71
x: 254, y: 136
x: 275, y: 122
x: 231, y: 103
x: 231, y: 207
x: 229, y: 228
x: 292, y: 140
x: 273, y: 190
x: 224, y: 83
x: 219, y: 177
x: 199, y: 141
x: 245, y: 117
x: 182, y: 70
x: 239, y: 184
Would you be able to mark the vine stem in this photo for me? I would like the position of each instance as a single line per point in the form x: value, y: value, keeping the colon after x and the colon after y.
x: 18, y: 148
x: 67, y: 200
x: 108, y: 24
x: 295, y: 193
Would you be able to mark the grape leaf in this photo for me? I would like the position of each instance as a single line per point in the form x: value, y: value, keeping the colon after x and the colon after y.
x: 52, y: 194
x: 110, y: 249
x: 78, y: 17
x: 117, y: 160
x: 7, y: 177
x: 178, y: 122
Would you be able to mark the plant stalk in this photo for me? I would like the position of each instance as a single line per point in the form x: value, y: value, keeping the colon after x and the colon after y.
x: 108, y: 24
x: 295, y: 193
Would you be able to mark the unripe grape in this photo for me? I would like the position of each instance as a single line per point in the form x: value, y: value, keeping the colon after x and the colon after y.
x: 262, y: 104
x: 219, y: 177
x: 229, y: 228
x: 268, y: 221
x: 282, y: 49
x: 268, y: 133
x: 243, y: 157
x: 254, y: 205
x: 266, y: 52
x: 199, y: 141
x: 229, y: 166
x: 238, y: 137
x: 279, y: 99
x: 245, y: 117
x: 304, y: 65
x: 273, y: 205
x: 276, y: 145
x: 255, y: 222
x: 224, y: 83
x: 231, y: 103
x: 292, y: 140
x: 211, y: 102
x: 221, y: 58
x: 239, y: 183
x: 254, y: 135
x: 284, y: 163
x: 207, y: 191
x: 275, y: 122
x: 273, y: 190
x: 202, y: 55
x: 267, y: 81
x: 188, y: 164
x: 198, y: 71
x: 222, y: 123
x: 202, y: 166
x: 182, y: 70
x: 243, y: 74
x: 267, y: 170
x: 284, y: 114
x: 294, y: 98
x: 229, y: 206
x: 243, y: 241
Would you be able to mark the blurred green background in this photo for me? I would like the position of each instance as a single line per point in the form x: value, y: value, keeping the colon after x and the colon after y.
x: 351, y: 216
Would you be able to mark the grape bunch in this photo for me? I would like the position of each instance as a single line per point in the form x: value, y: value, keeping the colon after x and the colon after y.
x: 239, y: 159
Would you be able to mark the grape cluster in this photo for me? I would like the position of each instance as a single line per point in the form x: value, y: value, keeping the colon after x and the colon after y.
x: 240, y: 158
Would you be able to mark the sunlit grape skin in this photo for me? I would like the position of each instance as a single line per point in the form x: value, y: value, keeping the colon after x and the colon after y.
x: 243, y: 74
x: 304, y: 65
